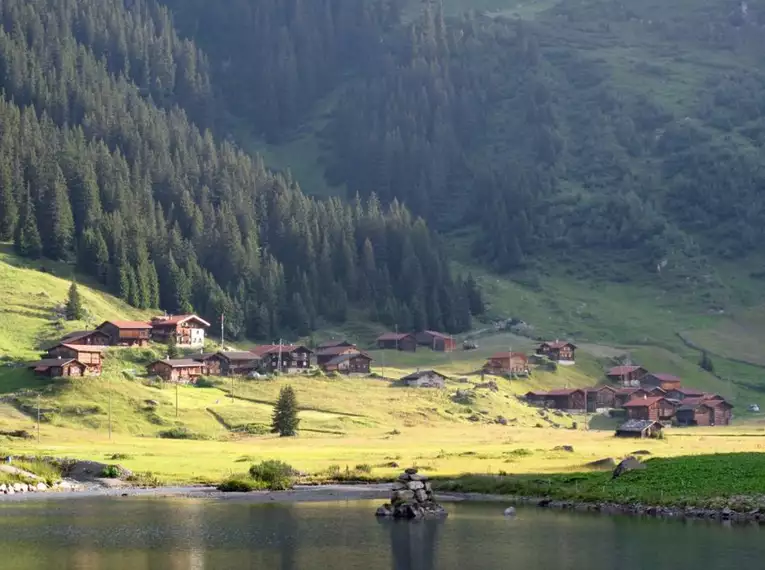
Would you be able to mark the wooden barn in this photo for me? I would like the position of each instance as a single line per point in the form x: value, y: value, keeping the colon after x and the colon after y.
x: 628, y: 376
x: 127, y: 333
x: 562, y: 399
x: 349, y: 363
x: 437, y: 341
x: 89, y: 355
x: 559, y: 351
x: 95, y: 338
x: 507, y: 363
x: 180, y: 371
x: 704, y: 412
x: 324, y: 355
x: 600, y: 398
x: 58, y: 368
x: 661, y: 380
x: 684, y: 393
x: 237, y: 363
x: 657, y: 409
x: 424, y: 379
x: 639, y: 428
x: 188, y: 330
x: 397, y: 341
x: 292, y: 357
x: 334, y: 343
x: 212, y: 363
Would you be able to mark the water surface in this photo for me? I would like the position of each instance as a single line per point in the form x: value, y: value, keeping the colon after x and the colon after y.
x: 150, y: 533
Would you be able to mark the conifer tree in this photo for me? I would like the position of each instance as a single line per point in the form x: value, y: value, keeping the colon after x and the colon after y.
x: 285, y: 419
x: 74, y: 310
x: 8, y: 208
x: 27, y: 240
x: 172, y: 347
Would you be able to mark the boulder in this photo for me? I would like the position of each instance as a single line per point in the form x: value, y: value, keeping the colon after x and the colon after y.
x: 420, y: 495
x: 402, y: 496
x: 41, y: 487
x: 510, y: 512
x: 628, y: 464
x: 384, y: 511
x: 421, y: 478
x: 501, y: 420
x: 415, y: 485
x: 400, y: 486
x: 428, y: 488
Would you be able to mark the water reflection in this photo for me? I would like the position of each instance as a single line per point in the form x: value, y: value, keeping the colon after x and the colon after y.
x: 413, y: 544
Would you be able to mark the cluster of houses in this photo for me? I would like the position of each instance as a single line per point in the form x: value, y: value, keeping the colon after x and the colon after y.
x: 649, y: 401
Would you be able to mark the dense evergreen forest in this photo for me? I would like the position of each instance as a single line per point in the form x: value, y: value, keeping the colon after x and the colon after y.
x: 102, y: 163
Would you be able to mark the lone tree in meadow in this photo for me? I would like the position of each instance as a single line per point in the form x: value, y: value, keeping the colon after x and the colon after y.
x: 706, y: 362
x: 74, y: 310
x: 285, y: 419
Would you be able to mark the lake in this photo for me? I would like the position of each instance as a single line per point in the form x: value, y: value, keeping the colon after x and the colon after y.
x: 149, y: 533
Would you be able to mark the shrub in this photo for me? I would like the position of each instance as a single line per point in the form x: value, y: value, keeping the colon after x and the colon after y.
x: 179, y: 433
x: 145, y: 479
x: 111, y: 472
x: 238, y: 485
x: 276, y: 475
x: 204, y: 383
x: 333, y: 471
x: 47, y: 471
x: 364, y: 468
x: 120, y: 456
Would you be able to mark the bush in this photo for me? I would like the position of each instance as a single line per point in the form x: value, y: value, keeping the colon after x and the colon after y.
x: 364, y: 468
x: 276, y: 475
x: 111, y: 472
x: 179, y: 433
x: 238, y: 485
x: 145, y: 479
x: 120, y: 456
x: 204, y: 383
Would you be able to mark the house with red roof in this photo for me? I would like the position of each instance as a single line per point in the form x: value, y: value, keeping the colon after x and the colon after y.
x: 126, y: 333
x: 286, y: 358
x: 397, y: 341
x: 626, y: 375
x: 89, y: 355
x: 94, y: 337
x: 560, y: 351
x: 660, y: 379
x: 187, y: 330
x: 507, y: 363
x: 437, y: 341
x: 562, y: 399
x: 656, y: 408
x: 625, y: 394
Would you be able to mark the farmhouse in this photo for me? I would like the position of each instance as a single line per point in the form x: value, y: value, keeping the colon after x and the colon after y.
x: 397, y: 341
x: 425, y: 379
x: 324, y: 355
x: 628, y: 376
x: 212, y: 363
x: 562, y: 399
x: 235, y: 363
x: 126, y: 333
x: 507, y: 363
x: 284, y: 357
x: 89, y: 355
x: 58, y: 367
x: 650, y: 408
x: 704, y: 411
x: 436, y: 341
x: 660, y: 380
x: 601, y: 397
x: 639, y: 428
x: 559, y: 351
x: 181, y: 371
x: 349, y: 363
x: 95, y: 337
x: 188, y: 330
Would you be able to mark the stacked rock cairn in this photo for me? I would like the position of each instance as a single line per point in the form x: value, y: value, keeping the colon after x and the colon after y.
x: 411, y: 498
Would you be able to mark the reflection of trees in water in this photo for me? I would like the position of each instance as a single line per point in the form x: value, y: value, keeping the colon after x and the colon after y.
x: 413, y: 543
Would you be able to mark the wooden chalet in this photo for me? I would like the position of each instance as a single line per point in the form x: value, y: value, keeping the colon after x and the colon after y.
x: 507, y: 363
x: 397, y: 341
x: 324, y: 355
x: 349, y: 363
x: 94, y: 337
x: 424, y: 379
x: 127, y: 333
x: 639, y: 428
x: 291, y: 357
x: 89, y: 355
x: 559, y: 351
x: 562, y: 399
x: 600, y: 398
x: 188, y: 330
x: 437, y: 341
x: 58, y: 368
x: 236, y: 363
x: 212, y: 363
x: 626, y: 375
x: 704, y: 411
x: 661, y: 380
x: 180, y: 371
x: 624, y: 395
x: 657, y: 409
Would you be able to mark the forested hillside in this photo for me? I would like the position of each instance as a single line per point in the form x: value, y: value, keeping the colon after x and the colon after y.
x: 102, y: 164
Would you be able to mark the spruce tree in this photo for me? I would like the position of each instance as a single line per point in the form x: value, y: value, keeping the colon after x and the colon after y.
x: 27, y: 242
x: 285, y: 419
x: 74, y: 310
x: 172, y: 347
x: 8, y: 209
x: 706, y: 362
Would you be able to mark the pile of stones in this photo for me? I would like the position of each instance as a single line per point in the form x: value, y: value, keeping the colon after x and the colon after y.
x: 411, y: 498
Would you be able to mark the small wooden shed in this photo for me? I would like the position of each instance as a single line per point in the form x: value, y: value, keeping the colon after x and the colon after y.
x: 397, y: 341
x: 639, y: 428
x: 181, y: 371
x: 425, y: 379
x: 437, y: 341
x: 58, y: 368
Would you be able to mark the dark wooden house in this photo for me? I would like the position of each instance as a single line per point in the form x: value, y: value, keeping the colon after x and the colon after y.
x: 397, y: 341
x: 94, y: 337
x: 683, y: 393
x: 437, y: 341
x: 704, y: 411
x: 89, y: 355
x: 639, y: 428
x: 188, y: 330
x: 236, y: 363
x: 127, y: 333
x: 562, y: 399
x: 291, y: 357
x: 425, y: 379
x: 625, y: 394
x: 650, y: 408
x: 181, y: 371
x: 349, y: 363
x: 333, y: 343
x: 626, y: 375
x: 661, y: 380
x: 211, y: 361
x: 324, y: 355
x: 507, y: 363
x: 601, y: 397
x: 559, y: 351
x: 58, y: 368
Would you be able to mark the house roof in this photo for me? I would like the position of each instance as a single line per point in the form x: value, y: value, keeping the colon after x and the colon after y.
x: 77, y: 335
x: 688, y: 391
x: 334, y: 343
x: 558, y: 344
x: 564, y: 391
x: 393, y: 336
x: 420, y: 373
x: 343, y: 357
x: 46, y: 363
x: 599, y: 388
x: 654, y: 389
x: 637, y: 426
x: 265, y: 349
x: 628, y: 391
x: 664, y: 377
x: 179, y: 362
x: 174, y: 320
x: 438, y: 334
x: 202, y: 356
x: 622, y: 370
x: 81, y: 347
x: 505, y: 355
x: 127, y: 324
x: 645, y: 402
x: 340, y: 349
x: 239, y: 356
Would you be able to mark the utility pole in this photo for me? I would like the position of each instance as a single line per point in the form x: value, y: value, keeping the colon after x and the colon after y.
x: 38, y: 419
x: 222, y: 319
x: 232, y: 388
x: 176, y: 399
x: 280, y: 356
